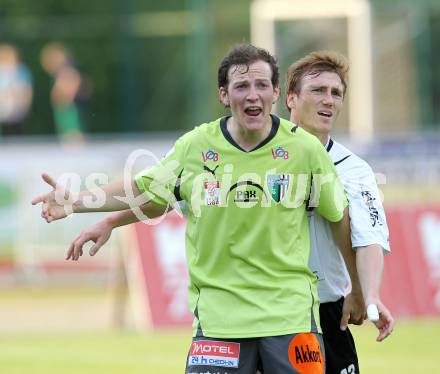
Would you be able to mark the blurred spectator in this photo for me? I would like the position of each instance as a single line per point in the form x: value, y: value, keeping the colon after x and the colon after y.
x: 69, y: 92
x: 15, y: 91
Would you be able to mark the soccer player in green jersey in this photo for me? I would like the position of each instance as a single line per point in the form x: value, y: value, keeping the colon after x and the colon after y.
x: 246, y: 179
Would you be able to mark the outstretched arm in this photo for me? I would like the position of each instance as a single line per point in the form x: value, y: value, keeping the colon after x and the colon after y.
x: 60, y: 202
x: 101, y: 231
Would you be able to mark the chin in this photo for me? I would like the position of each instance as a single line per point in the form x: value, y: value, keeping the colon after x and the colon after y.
x: 326, y: 126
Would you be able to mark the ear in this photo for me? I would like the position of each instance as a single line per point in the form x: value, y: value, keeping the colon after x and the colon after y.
x: 276, y: 94
x: 223, y: 96
x: 291, y: 100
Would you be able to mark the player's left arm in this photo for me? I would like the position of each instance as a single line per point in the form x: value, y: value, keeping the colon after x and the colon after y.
x: 369, y: 260
x: 369, y: 235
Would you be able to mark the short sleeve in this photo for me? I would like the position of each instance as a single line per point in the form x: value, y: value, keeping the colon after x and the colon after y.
x: 367, y: 216
x: 327, y: 192
x: 160, y: 183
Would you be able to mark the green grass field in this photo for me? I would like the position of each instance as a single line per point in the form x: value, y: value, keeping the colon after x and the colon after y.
x: 413, y: 348
x: 71, y: 333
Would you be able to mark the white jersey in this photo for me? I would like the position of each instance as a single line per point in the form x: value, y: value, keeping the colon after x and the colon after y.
x: 367, y: 217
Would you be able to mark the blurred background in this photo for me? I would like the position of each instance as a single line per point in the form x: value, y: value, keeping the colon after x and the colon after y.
x: 84, y: 84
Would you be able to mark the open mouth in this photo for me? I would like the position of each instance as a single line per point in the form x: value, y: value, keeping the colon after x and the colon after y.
x: 325, y: 114
x: 253, y: 111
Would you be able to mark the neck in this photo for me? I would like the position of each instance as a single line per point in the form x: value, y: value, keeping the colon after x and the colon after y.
x: 245, y: 138
x: 323, y: 137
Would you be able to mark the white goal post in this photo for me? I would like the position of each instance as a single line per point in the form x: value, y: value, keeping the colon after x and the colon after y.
x: 264, y: 15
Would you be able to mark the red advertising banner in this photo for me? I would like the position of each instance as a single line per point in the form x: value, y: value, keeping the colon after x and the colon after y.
x: 161, y: 250
x: 411, y: 283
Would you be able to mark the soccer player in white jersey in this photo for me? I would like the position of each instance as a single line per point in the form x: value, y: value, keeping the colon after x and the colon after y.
x: 315, y: 90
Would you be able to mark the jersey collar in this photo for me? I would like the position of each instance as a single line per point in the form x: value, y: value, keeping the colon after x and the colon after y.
x: 329, y: 144
x: 272, y: 133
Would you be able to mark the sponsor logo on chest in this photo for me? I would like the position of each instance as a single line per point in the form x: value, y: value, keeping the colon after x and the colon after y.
x: 212, y: 192
x: 210, y: 155
x: 278, y: 185
x: 280, y: 152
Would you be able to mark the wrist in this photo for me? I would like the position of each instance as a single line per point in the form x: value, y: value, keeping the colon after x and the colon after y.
x: 111, y: 221
x: 357, y: 295
x: 356, y: 288
x: 372, y: 299
x: 77, y: 206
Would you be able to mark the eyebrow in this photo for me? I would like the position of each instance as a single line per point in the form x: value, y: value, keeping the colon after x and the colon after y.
x: 324, y: 86
x: 256, y: 79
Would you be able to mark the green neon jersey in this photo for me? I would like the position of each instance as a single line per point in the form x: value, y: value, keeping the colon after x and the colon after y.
x: 247, y: 240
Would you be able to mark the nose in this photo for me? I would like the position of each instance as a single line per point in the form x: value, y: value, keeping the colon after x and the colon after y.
x: 252, y: 94
x: 328, y: 98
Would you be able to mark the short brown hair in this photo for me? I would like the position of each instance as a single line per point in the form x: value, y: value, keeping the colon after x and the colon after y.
x: 246, y: 54
x: 316, y: 63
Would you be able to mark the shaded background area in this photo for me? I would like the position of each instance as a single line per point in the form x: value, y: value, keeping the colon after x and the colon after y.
x: 152, y: 65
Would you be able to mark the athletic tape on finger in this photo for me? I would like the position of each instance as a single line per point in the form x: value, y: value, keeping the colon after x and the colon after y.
x: 373, y: 313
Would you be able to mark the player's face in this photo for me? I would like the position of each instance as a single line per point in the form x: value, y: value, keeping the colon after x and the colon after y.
x: 318, y: 103
x: 250, y: 95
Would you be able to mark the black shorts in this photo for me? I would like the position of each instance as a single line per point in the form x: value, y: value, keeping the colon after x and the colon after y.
x: 287, y: 354
x: 340, y: 351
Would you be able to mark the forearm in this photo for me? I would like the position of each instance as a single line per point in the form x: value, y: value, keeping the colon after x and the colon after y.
x: 122, y: 218
x: 127, y: 217
x: 342, y: 236
x: 369, y: 260
x: 107, y: 198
